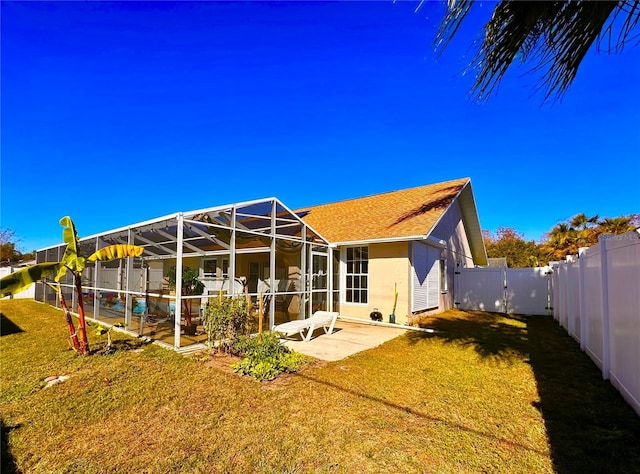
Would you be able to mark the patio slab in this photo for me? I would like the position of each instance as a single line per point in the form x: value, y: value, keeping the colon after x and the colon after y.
x: 348, y: 338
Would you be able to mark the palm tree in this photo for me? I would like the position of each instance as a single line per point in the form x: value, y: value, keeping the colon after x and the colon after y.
x: 615, y: 225
x: 556, y: 35
x: 582, y: 222
x: 560, y: 242
x: 584, y: 227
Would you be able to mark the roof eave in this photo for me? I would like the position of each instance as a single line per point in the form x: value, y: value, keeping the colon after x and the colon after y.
x: 383, y: 240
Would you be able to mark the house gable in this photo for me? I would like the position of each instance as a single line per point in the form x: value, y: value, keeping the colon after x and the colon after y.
x: 407, y: 214
x: 394, y: 215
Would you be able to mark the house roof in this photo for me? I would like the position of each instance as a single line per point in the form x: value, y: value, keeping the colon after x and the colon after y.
x: 405, y: 214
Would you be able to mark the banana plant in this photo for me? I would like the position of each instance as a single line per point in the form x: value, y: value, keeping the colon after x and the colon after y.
x: 24, y: 278
x: 72, y: 262
x: 101, y: 331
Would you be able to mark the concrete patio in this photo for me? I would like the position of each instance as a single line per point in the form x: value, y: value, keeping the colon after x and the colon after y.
x: 348, y: 338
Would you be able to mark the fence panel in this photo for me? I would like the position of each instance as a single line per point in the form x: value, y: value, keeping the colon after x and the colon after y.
x: 598, y: 302
x: 527, y: 290
x: 623, y: 272
x: 480, y: 289
x: 593, y: 324
x: 562, y: 308
x: 573, y: 301
x: 504, y: 290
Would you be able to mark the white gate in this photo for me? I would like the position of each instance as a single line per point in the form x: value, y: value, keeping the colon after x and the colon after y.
x: 528, y: 290
x: 480, y: 289
x: 504, y: 290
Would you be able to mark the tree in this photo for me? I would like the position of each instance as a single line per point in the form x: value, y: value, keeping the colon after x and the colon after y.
x: 566, y: 238
x: 73, y: 262
x: 9, y: 252
x: 616, y: 225
x: 510, y: 243
x: 556, y: 36
x: 191, y: 285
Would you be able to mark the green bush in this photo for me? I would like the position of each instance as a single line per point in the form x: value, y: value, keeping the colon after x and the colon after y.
x: 224, y: 321
x: 266, y: 357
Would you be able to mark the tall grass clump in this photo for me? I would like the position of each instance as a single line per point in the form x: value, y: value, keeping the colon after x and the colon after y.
x: 224, y: 321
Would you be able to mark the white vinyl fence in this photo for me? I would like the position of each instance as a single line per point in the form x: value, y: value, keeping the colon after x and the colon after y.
x: 597, y: 300
x: 504, y: 290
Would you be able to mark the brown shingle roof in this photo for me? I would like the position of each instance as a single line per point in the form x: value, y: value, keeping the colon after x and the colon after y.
x: 397, y: 214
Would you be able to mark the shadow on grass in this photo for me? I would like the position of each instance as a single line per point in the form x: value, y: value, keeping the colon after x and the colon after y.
x: 7, y: 463
x: 491, y: 335
x: 7, y: 326
x: 590, y: 427
x: 405, y: 409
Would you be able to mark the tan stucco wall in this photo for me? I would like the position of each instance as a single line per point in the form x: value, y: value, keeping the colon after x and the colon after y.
x: 388, y: 264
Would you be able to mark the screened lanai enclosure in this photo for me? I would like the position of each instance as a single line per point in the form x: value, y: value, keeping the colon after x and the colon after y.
x: 258, y: 250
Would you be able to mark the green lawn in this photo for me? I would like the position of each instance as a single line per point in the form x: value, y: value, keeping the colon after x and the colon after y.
x: 485, y: 393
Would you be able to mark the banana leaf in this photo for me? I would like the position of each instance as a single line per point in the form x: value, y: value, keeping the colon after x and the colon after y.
x: 22, y: 279
x: 115, y: 252
x: 71, y: 260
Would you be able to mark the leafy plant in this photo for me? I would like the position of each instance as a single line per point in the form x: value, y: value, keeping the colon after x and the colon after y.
x: 266, y: 357
x: 101, y: 330
x: 191, y: 286
x: 225, y: 320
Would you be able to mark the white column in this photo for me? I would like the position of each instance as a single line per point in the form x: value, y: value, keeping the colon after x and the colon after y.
x: 304, y: 279
x: 272, y: 266
x: 96, y: 299
x: 127, y: 299
x: 178, y: 310
x: 330, y: 279
x: 232, y: 252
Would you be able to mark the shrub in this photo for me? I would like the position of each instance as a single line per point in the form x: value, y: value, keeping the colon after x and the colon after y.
x: 266, y: 357
x: 224, y: 321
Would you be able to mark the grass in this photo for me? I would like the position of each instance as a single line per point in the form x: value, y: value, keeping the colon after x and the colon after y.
x: 484, y: 393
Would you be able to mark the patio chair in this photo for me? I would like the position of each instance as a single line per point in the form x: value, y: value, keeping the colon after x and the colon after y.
x: 324, y: 319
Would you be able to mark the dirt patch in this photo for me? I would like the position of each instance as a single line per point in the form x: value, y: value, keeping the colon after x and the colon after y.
x: 224, y: 362
x: 217, y: 360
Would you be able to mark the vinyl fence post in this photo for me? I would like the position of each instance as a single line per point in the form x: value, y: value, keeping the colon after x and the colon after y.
x: 606, y: 341
x: 570, y: 290
x: 581, y: 295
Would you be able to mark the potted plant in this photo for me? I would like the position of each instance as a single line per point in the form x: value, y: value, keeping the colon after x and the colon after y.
x: 191, y: 286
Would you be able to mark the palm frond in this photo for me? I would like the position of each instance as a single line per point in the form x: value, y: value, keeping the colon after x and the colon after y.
x: 554, y: 36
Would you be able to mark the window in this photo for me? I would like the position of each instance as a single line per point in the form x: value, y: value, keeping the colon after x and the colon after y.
x: 357, y: 275
x: 210, y: 268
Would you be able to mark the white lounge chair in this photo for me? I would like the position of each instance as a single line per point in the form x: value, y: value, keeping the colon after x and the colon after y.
x: 324, y: 319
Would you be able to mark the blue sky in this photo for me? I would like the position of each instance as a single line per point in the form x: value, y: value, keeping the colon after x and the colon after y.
x: 115, y: 113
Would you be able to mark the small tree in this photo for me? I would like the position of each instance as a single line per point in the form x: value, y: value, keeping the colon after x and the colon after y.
x: 72, y: 262
x: 191, y: 286
x: 225, y: 320
x: 509, y: 243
